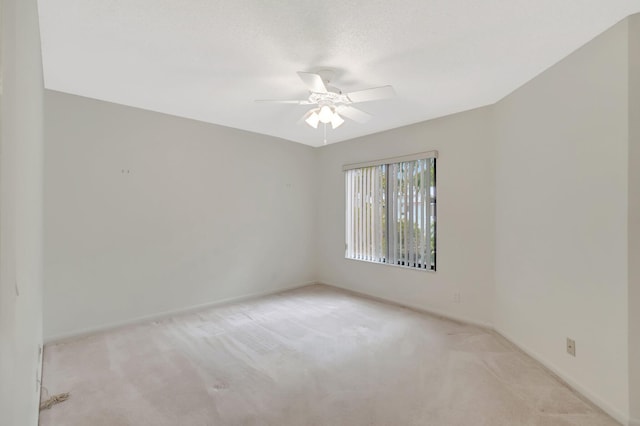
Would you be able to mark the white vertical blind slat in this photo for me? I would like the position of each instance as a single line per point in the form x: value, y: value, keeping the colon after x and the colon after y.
x: 428, y: 213
x: 357, y: 216
x: 425, y: 221
x: 369, y: 215
x: 398, y: 212
x: 379, y: 212
x: 365, y: 219
x: 354, y: 186
x: 394, y: 213
x: 365, y: 233
x: 398, y: 178
x: 367, y: 206
x: 374, y: 215
x: 354, y: 214
x: 365, y: 210
x: 356, y: 225
x: 390, y: 212
x: 420, y: 213
x: 360, y: 227
x: 349, y: 207
x: 410, y: 218
x: 347, y: 204
x: 403, y: 200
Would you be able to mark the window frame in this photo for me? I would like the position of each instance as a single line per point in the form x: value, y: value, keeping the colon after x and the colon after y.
x: 431, y: 266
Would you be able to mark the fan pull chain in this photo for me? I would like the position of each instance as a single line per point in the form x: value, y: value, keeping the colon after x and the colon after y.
x: 325, y: 133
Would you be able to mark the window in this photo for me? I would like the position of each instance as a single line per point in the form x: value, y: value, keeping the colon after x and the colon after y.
x: 391, y: 211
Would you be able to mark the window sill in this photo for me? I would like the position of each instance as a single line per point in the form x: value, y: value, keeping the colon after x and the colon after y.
x: 406, y: 268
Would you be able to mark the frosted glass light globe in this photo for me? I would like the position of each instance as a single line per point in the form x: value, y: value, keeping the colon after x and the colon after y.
x: 326, y: 114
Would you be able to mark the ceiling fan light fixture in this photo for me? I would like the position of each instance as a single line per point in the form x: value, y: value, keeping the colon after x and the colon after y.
x: 328, y: 100
x: 313, y: 120
x: 336, y: 121
x: 326, y: 114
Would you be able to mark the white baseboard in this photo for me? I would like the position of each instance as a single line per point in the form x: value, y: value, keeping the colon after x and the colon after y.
x: 63, y: 337
x: 571, y: 382
x: 435, y: 312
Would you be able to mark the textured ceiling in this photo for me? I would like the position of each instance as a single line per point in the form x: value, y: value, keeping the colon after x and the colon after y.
x: 209, y: 59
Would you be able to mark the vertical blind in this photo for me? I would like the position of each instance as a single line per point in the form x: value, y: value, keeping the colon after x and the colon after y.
x: 366, y: 207
x: 391, y: 215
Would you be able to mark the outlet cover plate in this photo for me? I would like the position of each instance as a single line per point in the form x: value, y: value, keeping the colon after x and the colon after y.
x: 571, y: 347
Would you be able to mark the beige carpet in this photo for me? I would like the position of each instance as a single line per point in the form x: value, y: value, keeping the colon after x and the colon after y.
x: 313, y: 356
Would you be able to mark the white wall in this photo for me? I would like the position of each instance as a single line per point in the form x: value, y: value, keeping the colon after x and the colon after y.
x: 535, y: 198
x: 561, y: 217
x: 532, y: 195
x: 202, y: 213
x: 634, y: 218
x: 20, y: 214
x: 465, y: 217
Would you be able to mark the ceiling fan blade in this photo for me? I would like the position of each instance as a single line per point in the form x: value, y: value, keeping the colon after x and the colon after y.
x: 373, y: 94
x: 313, y: 82
x: 279, y: 101
x: 353, y: 113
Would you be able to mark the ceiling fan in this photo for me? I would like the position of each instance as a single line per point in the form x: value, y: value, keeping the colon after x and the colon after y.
x: 330, y: 103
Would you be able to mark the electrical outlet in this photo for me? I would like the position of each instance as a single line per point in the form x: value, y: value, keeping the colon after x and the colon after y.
x: 571, y: 347
x: 456, y: 297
